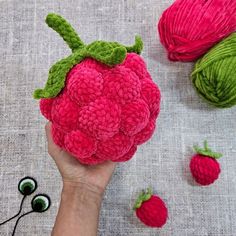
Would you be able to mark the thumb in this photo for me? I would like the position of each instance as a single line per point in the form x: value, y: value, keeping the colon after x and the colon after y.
x: 59, y: 156
x: 53, y: 149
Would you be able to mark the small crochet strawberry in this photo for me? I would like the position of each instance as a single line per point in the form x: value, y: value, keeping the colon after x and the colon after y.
x: 204, y: 167
x: 101, y: 99
x: 151, y: 209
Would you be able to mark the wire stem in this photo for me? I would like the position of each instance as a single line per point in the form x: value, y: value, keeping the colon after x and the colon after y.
x: 14, y: 230
x: 22, y: 201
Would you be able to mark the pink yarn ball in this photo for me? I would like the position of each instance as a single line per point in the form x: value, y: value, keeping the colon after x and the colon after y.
x: 103, y: 112
x: 189, y: 28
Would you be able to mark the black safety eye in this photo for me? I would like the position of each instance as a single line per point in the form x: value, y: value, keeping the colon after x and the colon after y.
x: 40, y: 203
x: 27, y: 185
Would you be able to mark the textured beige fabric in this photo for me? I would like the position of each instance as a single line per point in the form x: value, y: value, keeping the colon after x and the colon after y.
x: 28, y: 48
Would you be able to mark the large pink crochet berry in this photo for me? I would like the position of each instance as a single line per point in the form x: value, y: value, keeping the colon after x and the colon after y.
x: 101, y: 100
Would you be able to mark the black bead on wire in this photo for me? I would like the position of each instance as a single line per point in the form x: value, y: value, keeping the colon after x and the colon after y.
x: 40, y: 202
x: 26, y: 186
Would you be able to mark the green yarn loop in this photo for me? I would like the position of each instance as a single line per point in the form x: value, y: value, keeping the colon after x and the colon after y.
x: 214, y: 75
x: 207, y: 151
x: 144, y: 196
x: 109, y: 53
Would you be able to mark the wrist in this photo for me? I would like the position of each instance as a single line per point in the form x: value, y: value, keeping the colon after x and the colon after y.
x: 82, y: 192
x: 79, y: 210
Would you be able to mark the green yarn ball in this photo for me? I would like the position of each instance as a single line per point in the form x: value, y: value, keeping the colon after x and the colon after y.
x: 214, y: 75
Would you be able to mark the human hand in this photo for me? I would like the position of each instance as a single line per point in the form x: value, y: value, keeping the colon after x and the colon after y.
x: 83, y: 188
x: 94, y: 178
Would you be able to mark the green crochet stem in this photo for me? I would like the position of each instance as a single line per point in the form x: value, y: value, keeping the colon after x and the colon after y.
x: 65, y: 30
x: 109, y: 53
x: 144, y: 196
x: 207, y: 151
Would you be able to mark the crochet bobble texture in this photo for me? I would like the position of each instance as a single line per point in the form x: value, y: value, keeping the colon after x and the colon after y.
x: 101, y: 100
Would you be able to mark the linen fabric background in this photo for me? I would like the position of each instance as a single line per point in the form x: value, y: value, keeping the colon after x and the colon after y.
x: 28, y: 48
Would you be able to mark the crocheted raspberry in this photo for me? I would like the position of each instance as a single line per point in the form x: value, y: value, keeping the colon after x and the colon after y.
x: 101, y: 100
x: 204, y: 167
x: 151, y: 209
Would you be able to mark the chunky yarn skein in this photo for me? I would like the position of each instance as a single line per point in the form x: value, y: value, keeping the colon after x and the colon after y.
x: 189, y: 28
x: 214, y: 75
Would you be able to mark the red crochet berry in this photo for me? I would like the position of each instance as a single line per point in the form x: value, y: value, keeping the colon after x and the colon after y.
x: 145, y: 133
x: 134, y: 117
x: 132, y: 61
x: 115, y: 147
x: 80, y: 144
x: 58, y: 136
x: 46, y: 107
x: 101, y: 99
x: 204, y: 167
x: 122, y: 85
x: 128, y: 155
x: 151, y: 209
x: 100, y: 119
x: 84, y: 86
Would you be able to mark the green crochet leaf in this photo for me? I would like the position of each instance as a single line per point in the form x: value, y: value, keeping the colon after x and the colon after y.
x: 137, y: 47
x: 144, y: 196
x: 57, y: 76
x: 67, y: 32
x: 207, y: 151
x: 109, y: 53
